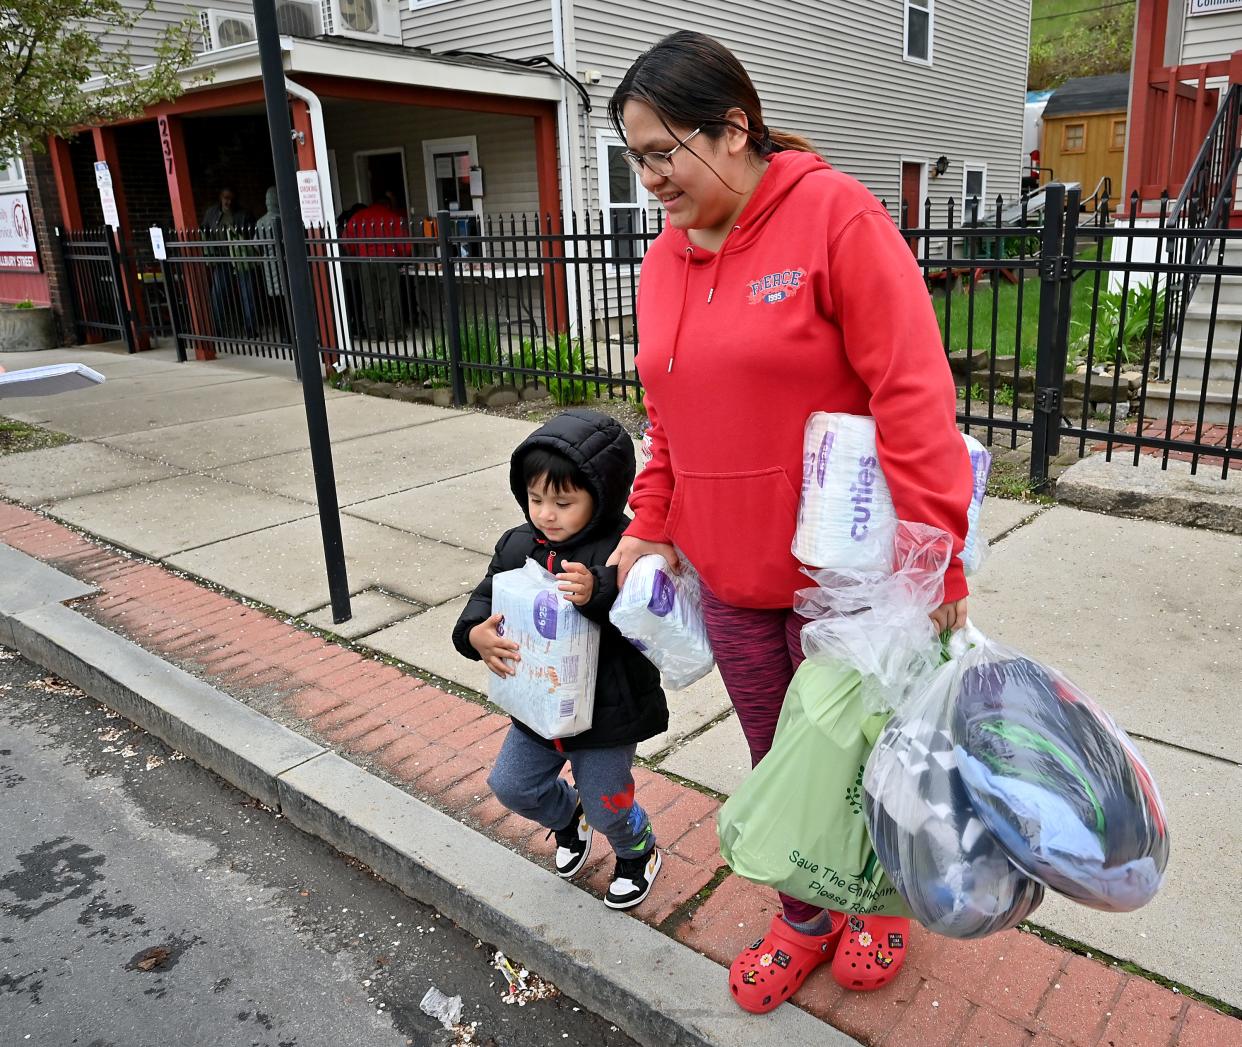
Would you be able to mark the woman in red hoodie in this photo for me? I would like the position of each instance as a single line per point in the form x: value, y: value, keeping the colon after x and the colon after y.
x: 779, y: 287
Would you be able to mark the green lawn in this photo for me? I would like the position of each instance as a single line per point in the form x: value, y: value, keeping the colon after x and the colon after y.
x: 974, y: 331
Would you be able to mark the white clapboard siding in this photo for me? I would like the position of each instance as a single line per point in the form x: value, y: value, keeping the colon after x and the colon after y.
x: 508, y: 28
x: 155, y: 25
x: 834, y: 72
x: 1211, y: 38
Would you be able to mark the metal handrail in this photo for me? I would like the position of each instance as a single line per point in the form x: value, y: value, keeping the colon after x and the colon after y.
x: 1227, y: 112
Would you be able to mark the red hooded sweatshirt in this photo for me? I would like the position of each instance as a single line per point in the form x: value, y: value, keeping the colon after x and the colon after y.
x: 813, y: 303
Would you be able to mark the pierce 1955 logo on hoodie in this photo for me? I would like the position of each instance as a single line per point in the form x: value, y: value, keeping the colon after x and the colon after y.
x: 776, y: 287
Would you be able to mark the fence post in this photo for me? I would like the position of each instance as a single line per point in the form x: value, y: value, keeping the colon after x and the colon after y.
x: 118, y: 290
x: 1047, y: 420
x: 1065, y: 307
x: 170, y: 295
x: 453, y: 320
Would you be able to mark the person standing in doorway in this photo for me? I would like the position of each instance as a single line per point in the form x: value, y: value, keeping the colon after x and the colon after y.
x: 380, y: 233
x: 231, y: 280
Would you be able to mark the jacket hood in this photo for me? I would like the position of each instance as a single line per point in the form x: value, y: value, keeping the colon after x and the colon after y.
x: 272, y: 201
x: 599, y: 446
x: 785, y: 170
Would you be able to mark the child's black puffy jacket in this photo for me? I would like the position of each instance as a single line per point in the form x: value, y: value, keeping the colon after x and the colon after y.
x: 629, y: 702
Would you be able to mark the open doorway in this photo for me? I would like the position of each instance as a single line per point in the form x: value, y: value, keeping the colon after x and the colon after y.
x: 380, y: 172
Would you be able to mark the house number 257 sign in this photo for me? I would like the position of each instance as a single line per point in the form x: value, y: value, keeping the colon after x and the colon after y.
x: 1212, y: 7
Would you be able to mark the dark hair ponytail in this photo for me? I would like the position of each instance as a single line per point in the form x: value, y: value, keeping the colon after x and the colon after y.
x: 691, y: 80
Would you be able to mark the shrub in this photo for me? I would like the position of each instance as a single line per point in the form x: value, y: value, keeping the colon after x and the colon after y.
x: 1144, y: 318
x: 568, y: 357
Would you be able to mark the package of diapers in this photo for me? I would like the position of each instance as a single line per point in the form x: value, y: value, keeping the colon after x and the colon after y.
x: 553, y: 692
x: 976, y: 546
x: 661, y: 614
x: 846, y: 519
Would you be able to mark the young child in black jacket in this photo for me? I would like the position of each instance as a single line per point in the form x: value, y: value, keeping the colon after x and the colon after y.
x: 572, y: 478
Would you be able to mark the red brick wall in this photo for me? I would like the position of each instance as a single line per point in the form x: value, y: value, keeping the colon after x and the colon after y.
x: 45, y: 208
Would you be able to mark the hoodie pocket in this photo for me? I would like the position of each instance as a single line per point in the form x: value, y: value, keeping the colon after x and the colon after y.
x: 736, y: 529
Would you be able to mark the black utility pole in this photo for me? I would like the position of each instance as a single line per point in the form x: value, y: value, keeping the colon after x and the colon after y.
x: 302, y: 303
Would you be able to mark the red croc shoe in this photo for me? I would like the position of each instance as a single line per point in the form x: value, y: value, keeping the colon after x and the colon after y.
x: 871, y: 952
x: 767, y: 973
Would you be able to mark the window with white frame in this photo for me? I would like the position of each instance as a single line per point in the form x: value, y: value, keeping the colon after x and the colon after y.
x: 919, y: 23
x: 974, y: 190
x: 12, y: 174
x: 622, y: 198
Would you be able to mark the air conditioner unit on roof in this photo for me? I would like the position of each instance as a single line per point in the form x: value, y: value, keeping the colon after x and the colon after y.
x: 299, y: 18
x: 226, y: 29
x: 375, y: 20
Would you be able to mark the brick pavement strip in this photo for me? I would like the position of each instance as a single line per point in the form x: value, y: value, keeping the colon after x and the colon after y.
x: 997, y: 992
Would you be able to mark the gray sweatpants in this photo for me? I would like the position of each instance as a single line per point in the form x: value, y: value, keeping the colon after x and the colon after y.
x: 526, y: 779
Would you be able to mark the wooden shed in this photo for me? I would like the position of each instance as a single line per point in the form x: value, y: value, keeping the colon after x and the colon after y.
x: 1084, y: 136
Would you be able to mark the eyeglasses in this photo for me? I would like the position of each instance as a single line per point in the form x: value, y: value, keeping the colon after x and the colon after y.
x: 658, y: 163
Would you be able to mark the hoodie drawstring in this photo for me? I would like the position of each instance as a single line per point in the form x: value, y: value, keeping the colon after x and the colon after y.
x: 713, y: 273
x: 681, y: 315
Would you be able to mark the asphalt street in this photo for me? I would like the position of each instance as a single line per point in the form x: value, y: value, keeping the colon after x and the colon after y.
x: 144, y: 903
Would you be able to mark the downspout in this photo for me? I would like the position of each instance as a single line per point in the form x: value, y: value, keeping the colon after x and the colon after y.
x: 564, y: 148
x: 318, y: 132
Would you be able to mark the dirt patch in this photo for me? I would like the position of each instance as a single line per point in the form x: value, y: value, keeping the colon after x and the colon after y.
x: 631, y: 416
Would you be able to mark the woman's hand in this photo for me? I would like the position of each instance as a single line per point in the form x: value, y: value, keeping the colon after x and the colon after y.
x: 628, y: 551
x: 577, y: 583
x: 950, y: 616
x: 498, y: 654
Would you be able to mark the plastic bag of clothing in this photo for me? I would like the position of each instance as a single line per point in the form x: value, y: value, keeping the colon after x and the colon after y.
x: 661, y: 613
x: 954, y: 875
x: 796, y: 823
x: 1054, y: 779
x: 846, y: 519
x: 553, y: 691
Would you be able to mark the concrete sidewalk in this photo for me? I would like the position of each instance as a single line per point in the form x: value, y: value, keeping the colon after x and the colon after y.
x: 202, y: 466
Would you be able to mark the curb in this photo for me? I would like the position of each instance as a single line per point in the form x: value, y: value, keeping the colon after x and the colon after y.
x: 617, y: 966
x: 1148, y: 492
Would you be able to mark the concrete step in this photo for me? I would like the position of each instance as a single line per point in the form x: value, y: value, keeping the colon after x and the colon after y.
x: 1193, y: 362
x: 1218, y: 399
x: 1226, y: 331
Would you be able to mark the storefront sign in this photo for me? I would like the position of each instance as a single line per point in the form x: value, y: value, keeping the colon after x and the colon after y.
x: 309, y: 200
x: 107, y: 198
x: 1212, y: 7
x: 17, y: 239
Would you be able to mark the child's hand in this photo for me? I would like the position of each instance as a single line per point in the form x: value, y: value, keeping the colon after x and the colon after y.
x: 498, y: 654
x: 577, y: 583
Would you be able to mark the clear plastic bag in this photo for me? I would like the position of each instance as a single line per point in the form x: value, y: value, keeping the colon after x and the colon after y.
x: 661, y: 613
x: 1054, y: 779
x: 952, y: 873
x: 877, y: 621
x: 444, y: 1009
x: 553, y: 692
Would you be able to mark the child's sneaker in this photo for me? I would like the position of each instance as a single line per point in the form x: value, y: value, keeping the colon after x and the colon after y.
x: 573, y: 845
x: 632, y: 880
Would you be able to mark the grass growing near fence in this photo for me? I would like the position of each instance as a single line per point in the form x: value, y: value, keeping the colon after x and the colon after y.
x: 975, y: 332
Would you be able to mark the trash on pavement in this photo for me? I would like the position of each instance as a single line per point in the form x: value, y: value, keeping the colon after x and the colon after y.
x: 445, y: 1009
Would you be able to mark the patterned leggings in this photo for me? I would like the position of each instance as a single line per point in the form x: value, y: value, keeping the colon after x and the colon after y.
x: 757, y: 653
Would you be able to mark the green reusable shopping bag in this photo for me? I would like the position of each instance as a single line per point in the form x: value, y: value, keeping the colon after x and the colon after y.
x: 797, y: 823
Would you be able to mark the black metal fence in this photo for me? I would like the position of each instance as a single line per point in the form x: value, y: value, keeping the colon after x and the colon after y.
x: 1068, y: 326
